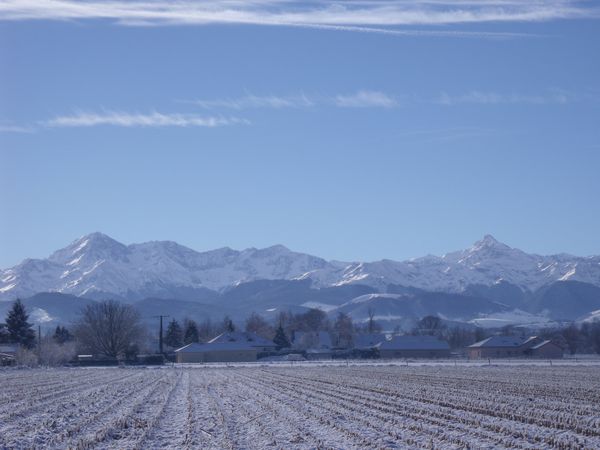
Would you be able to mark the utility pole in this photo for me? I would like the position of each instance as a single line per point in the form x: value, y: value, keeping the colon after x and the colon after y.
x: 39, y: 342
x: 160, y: 333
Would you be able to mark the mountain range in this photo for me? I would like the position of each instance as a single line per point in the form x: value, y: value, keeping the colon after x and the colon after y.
x: 487, y: 284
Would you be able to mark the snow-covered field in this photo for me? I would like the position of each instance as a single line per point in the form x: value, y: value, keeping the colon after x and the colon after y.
x: 273, y: 406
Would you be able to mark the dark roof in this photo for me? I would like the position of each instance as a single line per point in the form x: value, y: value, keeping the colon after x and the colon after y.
x: 196, y: 347
x: 543, y: 343
x: 414, y: 343
x: 242, y: 336
x: 365, y: 341
x: 504, y: 342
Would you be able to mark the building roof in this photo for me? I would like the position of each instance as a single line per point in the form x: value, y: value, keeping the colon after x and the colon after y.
x: 364, y: 341
x: 8, y: 348
x: 251, y: 339
x: 414, y: 343
x: 541, y: 344
x: 196, y: 347
x: 503, y: 342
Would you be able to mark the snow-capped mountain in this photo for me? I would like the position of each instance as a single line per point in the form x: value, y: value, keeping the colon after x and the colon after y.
x: 487, y: 262
x: 98, y: 266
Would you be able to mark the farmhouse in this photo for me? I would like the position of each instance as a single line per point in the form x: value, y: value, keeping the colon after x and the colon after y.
x: 227, y: 347
x: 414, y: 347
x: 513, y: 346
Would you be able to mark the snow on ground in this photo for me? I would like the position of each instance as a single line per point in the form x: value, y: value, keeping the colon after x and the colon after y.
x: 360, y: 406
x: 322, y: 306
x: 515, y: 317
x: 592, y: 317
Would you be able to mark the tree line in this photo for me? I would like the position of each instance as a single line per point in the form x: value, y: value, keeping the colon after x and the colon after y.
x: 115, y: 330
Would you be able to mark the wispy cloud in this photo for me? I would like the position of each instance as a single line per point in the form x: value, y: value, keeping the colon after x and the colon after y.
x: 363, y: 16
x: 365, y: 99
x: 494, y: 98
x: 12, y: 128
x: 361, y: 98
x: 255, y: 101
x: 153, y: 119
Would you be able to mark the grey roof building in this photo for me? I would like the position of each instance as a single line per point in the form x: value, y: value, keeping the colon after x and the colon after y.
x: 227, y: 347
x: 252, y: 339
x: 368, y: 341
x: 513, y: 346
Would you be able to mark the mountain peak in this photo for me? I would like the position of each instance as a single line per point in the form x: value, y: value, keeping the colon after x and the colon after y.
x: 95, y: 245
x: 489, y: 238
x: 488, y: 242
x: 96, y: 236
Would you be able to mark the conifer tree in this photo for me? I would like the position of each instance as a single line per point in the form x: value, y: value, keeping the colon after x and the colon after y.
x: 62, y: 335
x: 174, y: 336
x: 280, y: 339
x: 20, y: 331
x: 191, y: 332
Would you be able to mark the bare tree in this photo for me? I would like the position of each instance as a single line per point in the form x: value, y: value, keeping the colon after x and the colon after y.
x: 257, y: 324
x: 109, y: 328
x: 371, y: 313
x: 344, y: 330
x: 431, y: 326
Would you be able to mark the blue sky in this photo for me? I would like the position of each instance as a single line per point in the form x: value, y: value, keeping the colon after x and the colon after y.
x: 350, y: 130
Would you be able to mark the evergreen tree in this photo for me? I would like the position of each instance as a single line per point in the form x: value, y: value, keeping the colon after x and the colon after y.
x: 20, y: 331
x: 174, y: 336
x: 191, y: 332
x: 62, y: 335
x: 280, y: 339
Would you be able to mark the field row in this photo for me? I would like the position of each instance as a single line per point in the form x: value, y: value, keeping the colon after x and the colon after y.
x: 358, y: 407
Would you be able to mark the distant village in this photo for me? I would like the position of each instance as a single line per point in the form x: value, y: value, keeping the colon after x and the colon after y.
x: 110, y: 332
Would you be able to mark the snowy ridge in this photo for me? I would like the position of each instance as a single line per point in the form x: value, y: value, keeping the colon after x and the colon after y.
x: 98, y: 265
